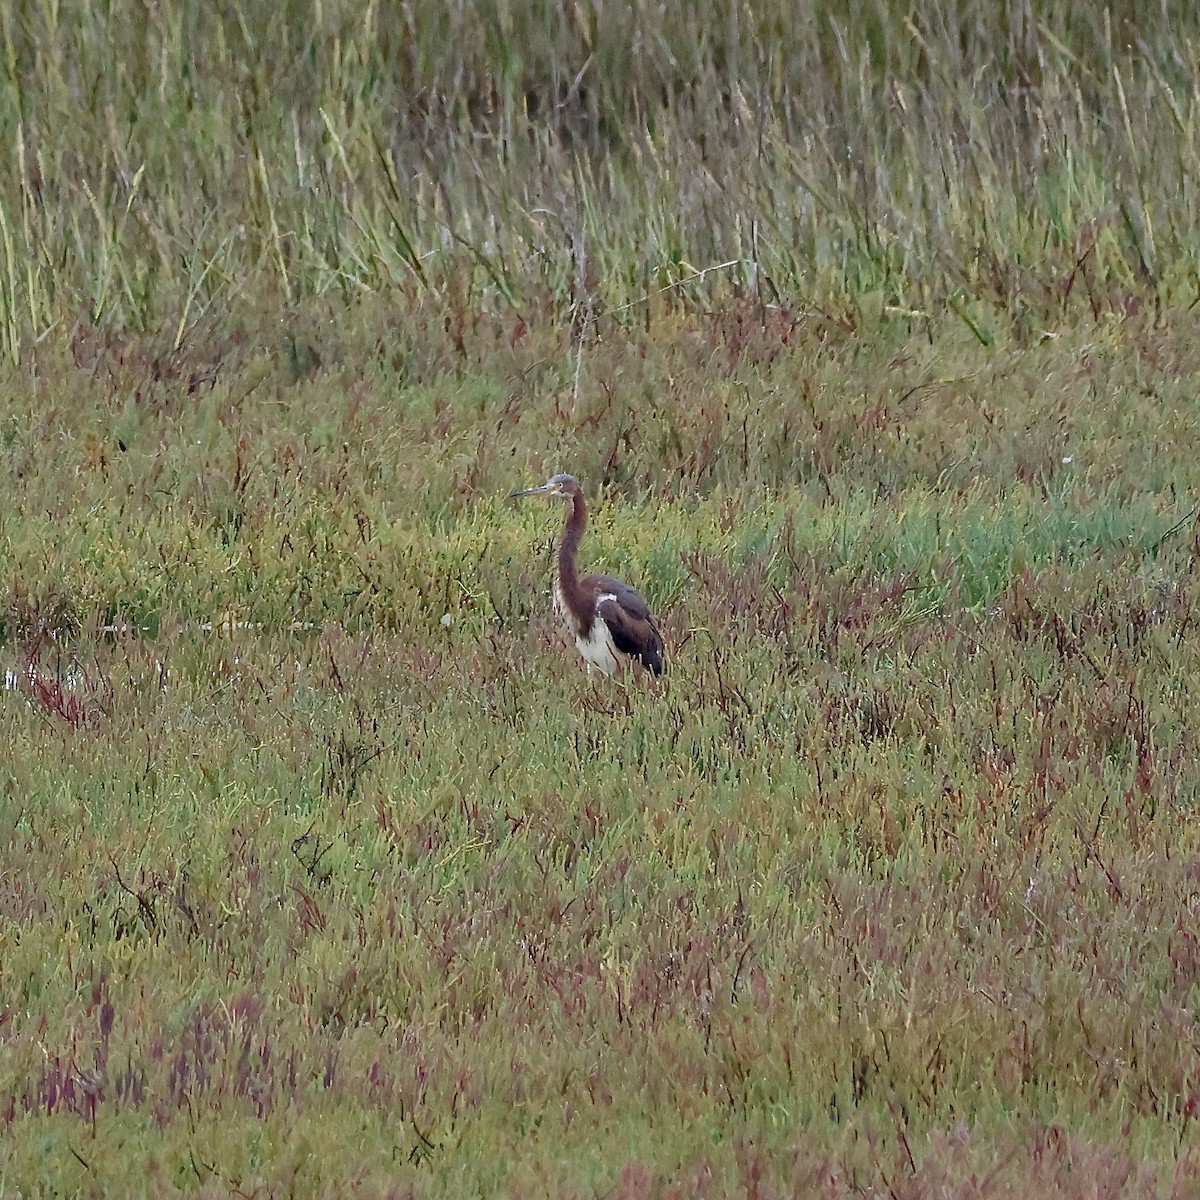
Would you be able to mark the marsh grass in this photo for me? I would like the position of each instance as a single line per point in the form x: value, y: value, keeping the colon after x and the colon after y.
x: 872, y: 337
x: 1010, y: 167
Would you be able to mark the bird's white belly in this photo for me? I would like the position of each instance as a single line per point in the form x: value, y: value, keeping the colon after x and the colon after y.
x: 598, y: 648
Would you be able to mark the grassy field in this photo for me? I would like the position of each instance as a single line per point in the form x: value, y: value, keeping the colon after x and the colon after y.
x: 873, y: 336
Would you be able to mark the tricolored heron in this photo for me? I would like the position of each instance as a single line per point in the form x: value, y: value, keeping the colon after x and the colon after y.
x: 609, y: 619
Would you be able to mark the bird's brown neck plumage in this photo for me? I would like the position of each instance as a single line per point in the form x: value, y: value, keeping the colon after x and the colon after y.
x: 568, y: 576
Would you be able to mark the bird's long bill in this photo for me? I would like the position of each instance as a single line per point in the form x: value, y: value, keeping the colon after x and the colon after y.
x: 535, y: 491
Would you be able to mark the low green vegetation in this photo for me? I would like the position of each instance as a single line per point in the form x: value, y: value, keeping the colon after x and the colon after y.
x: 326, y: 870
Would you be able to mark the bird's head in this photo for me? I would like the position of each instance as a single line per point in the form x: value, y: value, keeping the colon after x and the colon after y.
x: 564, y: 486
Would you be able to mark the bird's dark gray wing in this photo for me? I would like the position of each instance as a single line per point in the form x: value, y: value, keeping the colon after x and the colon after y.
x: 629, y: 598
x: 629, y: 621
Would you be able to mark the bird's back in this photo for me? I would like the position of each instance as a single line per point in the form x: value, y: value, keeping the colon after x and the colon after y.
x: 627, y: 615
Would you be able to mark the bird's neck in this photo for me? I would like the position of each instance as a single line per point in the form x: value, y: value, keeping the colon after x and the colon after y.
x: 568, y: 547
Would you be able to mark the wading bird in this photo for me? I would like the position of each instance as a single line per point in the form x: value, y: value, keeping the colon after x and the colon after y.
x: 610, y: 621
